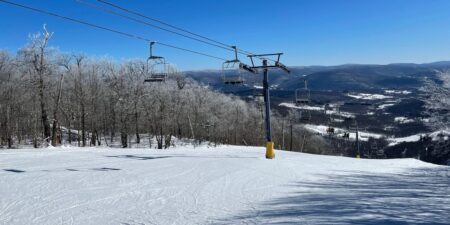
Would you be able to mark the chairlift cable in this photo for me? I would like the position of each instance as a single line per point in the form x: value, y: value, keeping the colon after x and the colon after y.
x: 148, y: 24
x: 162, y: 22
x: 227, y: 46
x: 191, y: 51
x: 107, y: 29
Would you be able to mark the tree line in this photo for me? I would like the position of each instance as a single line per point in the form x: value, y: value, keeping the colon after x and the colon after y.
x: 52, y: 98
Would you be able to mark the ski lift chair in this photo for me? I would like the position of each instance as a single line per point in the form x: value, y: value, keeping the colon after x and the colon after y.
x: 330, y: 128
x: 374, y: 146
x: 380, y: 154
x: 353, y: 126
x: 305, y: 116
x: 157, y: 68
x: 231, y: 70
x: 303, y: 95
x: 365, y: 134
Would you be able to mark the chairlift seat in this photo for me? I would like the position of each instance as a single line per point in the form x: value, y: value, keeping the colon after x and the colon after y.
x: 232, y: 66
x: 302, y: 96
x: 157, y: 69
x: 154, y: 80
x: 305, y: 117
x: 233, y: 80
x: 157, y: 77
x: 380, y: 152
x: 302, y: 101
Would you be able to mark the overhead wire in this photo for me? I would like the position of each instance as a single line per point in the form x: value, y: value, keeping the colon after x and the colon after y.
x: 148, y: 24
x: 163, y: 23
x: 108, y: 29
x: 241, y: 51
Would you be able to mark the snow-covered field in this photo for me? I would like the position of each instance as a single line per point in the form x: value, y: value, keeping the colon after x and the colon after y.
x: 223, y: 185
x: 304, y: 107
x: 384, y: 106
x: 318, y: 108
x: 398, y: 140
x: 322, y: 130
x: 365, y: 96
x: 403, y: 120
x: 364, y: 135
x: 416, y: 137
x: 404, y: 92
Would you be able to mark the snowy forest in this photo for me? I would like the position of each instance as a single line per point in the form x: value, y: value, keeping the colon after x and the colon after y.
x: 53, y: 98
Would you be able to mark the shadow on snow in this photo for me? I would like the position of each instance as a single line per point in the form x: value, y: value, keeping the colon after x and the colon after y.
x: 14, y: 170
x: 142, y: 157
x: 420, y: 196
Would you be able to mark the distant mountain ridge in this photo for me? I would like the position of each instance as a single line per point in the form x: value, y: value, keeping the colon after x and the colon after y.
x: 340, y: 77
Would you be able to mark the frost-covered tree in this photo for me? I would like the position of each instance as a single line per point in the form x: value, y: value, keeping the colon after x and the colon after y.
x: 37, y: 64
x: 7, y: 86
x: 437, y: 103
x: 438, y: 100
x: 52, y: 97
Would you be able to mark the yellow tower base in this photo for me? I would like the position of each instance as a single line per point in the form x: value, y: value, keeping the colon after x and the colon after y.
x: 270, y: 153
x: 358, y: 156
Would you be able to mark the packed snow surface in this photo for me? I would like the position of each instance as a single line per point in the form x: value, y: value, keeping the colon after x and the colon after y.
x: 223, y: 185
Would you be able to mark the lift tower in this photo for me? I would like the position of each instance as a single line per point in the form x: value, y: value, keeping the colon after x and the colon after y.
x: 270, y: 153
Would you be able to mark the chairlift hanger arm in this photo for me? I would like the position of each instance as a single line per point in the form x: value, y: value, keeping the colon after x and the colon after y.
x: 273, y: 66
x: 262, y: 67
x: 262, y: 55
x: 282, y: 66
x: 233, y: 62
x: 277, y: 64
x: 247, y: 68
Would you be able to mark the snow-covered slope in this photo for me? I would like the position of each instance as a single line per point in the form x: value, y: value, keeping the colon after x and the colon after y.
x: 224, y: 185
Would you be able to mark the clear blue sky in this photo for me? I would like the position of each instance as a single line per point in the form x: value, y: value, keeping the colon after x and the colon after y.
x: 313, y: 32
